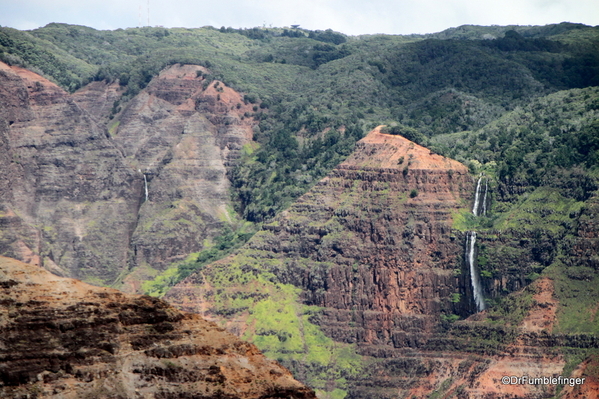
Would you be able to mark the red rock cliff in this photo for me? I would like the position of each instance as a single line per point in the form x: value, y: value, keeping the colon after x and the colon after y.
x: 60, y: 338
x: 371, y: 248
x: 376, y: 233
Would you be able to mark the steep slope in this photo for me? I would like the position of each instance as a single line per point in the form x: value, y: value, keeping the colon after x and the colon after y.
x: 93, y: 205
x: 366, y: 257
x: 357, y: 286
x: 183, y: 132
x: 65, y: 183
x: 60, y: 338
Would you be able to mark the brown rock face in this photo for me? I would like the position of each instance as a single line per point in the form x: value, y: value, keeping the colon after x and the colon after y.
x: 370, y: 251
x: 73, y: 197
x: 98, y: 99
x: 370, y: 243
x: 370, y: 246
x: 182, y: 134
x: 60, y: 338
x: 64, y: 183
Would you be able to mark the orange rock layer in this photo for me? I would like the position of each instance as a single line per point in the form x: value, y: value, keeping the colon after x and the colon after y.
x: 61, y: 338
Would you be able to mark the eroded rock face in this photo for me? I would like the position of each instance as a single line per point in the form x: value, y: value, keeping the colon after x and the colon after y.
x: 370, y: 248
x: 64, y: 183
x: 73, y: 196
x: 61, y: 338
x: 370, y: 255
x: 371, y: 243
x: 181, y: 133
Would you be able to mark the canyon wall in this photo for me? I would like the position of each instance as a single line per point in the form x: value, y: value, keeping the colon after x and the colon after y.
x: 359, y: 285
x: 61, y: 338
x: 112, y: 191
x: 65, y: 183
x: 368, y: 257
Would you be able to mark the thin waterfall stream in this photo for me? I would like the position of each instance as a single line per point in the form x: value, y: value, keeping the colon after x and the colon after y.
x: 146, y: 186
x: 477, y: 289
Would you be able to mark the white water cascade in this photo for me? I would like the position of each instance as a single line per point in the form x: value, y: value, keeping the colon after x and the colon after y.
x: 146, y: 186
x: 476, y: 197
x: 477, y: 289
x: 485, y: 197
x: 476, y: 207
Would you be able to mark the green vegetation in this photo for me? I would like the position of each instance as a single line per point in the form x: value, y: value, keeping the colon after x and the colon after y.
x: 551, y: 142
x: 511, y: 310
x: 248, y: 291
x: 577, y: 288
x: 317, y: 92
x: 222, y: 245
x: 439, y: 392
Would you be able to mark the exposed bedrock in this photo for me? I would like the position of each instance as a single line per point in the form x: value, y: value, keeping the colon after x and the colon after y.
x: 369, y: 258
x: 75, y: 170
x: 61, y: 338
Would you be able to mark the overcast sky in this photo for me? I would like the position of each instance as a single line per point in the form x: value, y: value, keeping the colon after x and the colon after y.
x: 352, y: 17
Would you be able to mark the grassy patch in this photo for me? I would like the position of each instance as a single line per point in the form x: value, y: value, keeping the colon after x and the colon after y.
x: 246, y: 287
x: 578, y: 307
x: 220, y: 246
x: 544, y: 209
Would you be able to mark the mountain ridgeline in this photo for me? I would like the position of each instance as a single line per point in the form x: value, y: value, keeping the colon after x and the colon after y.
x: 387, y: 216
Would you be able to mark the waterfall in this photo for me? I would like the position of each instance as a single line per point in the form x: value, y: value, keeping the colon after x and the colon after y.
x: 146, y: 186
x: 476, y: 211
x: 477, y: 289
x: 477, y: 197
x: 485, y: 197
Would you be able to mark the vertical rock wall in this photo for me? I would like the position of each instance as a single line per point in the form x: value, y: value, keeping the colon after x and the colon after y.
x: 72, y: 194
x: 66, y: 183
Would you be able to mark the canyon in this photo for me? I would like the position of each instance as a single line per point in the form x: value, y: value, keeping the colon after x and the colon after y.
x: 379, y: 269
x: 371, y: 259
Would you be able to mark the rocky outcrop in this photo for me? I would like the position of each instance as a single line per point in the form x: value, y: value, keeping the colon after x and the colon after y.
x: 370, y: 249
x: 369, y: 259
x: 60, y: 338
x: 371, y: 243
x: 99, y: 99
x: 93, y: 191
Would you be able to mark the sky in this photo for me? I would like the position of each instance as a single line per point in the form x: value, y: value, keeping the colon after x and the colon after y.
x: 352, y: 17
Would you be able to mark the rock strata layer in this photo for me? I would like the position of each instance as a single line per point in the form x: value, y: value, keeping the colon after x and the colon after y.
x: 371, y: 243
x: 61, y: 338
x: 369, y: 259
x: 182, y: 133
x: 369, y: 251
x: 65, y: 184
x: 98, y: 189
